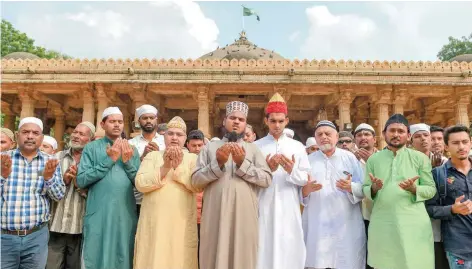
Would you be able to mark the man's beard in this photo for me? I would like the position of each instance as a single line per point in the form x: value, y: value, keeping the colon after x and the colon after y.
x: 148, y: 129
x: 395, y: 146
x: 325, y: 147
x: 75, y: 146
x: 233, y: 136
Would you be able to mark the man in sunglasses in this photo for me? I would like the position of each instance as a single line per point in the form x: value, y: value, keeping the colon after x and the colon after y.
x: 346, y: 141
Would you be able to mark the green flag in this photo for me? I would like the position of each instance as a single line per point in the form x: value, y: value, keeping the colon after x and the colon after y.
x: 250, y: 12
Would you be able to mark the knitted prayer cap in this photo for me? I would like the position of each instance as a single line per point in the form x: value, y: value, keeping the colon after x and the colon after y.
x: 364, y: 127
x: 325, y: 123
x: 397, y: 118
x: 8, y: 133
x: 277, y: 105
x: 345, y: 134
x: 237, y: 106
x: 177, y: 122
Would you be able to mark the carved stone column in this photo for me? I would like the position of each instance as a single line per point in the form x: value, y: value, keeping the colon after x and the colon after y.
x: 399, y: 101
x: 344, y: 107
x: 384, y: 97
x: 89, y: 106
x: 102, y: 101
x: 139, y: 98
x: 27, y: 103
x: 59, y: 128
x: 203, y: 111
x: 461, y: 114
x: 9, y: 121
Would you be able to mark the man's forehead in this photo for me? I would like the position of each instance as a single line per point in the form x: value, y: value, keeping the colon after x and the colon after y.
x: 147, y: 115
x: 82, y: 128
x: 421, y: 133
x: 175, y: 130
x: 325, y: 129
x: 115, y: 117
x: 237, y: 114
x: 30, y: 127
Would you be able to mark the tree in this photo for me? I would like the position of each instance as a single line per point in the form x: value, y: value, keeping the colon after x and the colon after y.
x: 456, y: 47
x: 16, y: 41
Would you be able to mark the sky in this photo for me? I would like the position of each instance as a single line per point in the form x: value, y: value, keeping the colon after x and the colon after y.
x: 185, y: 29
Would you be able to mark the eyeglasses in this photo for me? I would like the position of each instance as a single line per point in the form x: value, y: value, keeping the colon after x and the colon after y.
x: 340, y: 142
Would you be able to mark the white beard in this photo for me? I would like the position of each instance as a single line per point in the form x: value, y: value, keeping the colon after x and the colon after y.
x: 325, y: 147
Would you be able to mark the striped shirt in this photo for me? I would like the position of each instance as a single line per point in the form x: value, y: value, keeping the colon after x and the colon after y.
x: 68, y: 213
x: 25, y: 194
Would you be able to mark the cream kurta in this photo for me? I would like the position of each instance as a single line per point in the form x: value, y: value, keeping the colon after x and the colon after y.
x: 229, y: 225
x: 167, y: 229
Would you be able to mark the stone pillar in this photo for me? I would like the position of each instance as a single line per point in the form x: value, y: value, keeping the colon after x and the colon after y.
x: 139, y: 98
x: 102, y: 101
x: 460, y: 111
x: 203, y: 111
x: 59, y: 128
x: 400, y: 98
x: 27, y: 104
x: 383, y: 98
x: 89, y: 106
x: 344, y: 107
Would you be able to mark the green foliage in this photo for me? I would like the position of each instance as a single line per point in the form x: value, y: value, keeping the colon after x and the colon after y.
x: 456, y: 47
x: 16, y: 41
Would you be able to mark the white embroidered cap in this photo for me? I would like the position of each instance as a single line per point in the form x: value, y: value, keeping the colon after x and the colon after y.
x: 113, y: 110
x: 237, y: 106
x: 364, y: 126
x: 146, y: 109
x: 419, y: 127
x: 31, y: 120
x: 289, y: 132
x: 311, y: 141
x: 51, y: 141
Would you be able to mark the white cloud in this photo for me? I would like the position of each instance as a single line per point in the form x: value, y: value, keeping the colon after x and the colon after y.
x: 125, y: 30
x: 389, y: 31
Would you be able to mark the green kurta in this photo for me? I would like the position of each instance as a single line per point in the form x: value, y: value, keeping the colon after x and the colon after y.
x: 110, y: 217
x: 400, y: 233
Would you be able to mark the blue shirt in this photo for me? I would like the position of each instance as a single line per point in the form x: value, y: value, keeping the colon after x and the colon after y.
x: 456, y: 229
x: 25, y: 194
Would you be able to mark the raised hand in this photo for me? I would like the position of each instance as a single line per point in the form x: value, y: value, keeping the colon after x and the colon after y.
x: 50, y: 168
x: 114, y: 152
x: 377, y: 184
x: 409, y: 184
x: 436, y: 159
x: 179, y: 155
x: 311, y: 186
x: 462, y: 208
x: 363, y: 154
x: 168, y: 157
x: 6, y: 166
x: 70, y: 175
x: 286, y: 163
x: 222, y: 154
x: 238, y: 153
x: 345, y: 184
x: 273, y: 162
x: 127, y: 151
x: 151, y: 146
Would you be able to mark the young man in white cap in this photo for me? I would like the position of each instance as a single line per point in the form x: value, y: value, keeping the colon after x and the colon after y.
x: 7, y: 140
x: 149, y: 140
x: 279, y: 204
x: 107, y: 169
x: 310, y: 145
x: 65, y: 241
x: 332, y: 219
x: 29, y: 180
x: 232, y: 172
x: 398, y: 180
x: 49, y: 145
x: 167, y: 229
x: 421, y: 141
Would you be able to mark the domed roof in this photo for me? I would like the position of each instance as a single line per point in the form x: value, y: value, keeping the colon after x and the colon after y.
x: 242, y: 49
x: 462, y: 58
x: 21, y: 55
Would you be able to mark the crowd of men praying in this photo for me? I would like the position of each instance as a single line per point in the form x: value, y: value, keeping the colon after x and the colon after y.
x: 168, y: 199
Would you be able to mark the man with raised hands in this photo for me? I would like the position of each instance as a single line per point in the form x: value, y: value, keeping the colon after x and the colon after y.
x: 107, y: 169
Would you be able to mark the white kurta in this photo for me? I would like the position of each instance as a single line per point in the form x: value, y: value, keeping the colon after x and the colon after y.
x: 332, y: 220
x: 281, y: 244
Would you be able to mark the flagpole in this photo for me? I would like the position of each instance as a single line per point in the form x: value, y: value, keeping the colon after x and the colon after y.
x: 243, y: 21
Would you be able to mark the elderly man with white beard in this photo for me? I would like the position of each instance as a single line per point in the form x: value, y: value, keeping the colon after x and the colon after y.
x: 65, y: 241
x: 332, y: 221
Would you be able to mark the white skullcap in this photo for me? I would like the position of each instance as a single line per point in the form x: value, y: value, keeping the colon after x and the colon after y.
x: 146, y: 109
x: 364, y: 126
x: 90, y: 126
x: 113, y: 110
x: 51, y: 141
x: 31, y: 120
x: 311, y: 141
x: 289, y: 132
x: 419, y: 127
x: 215, y: 139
